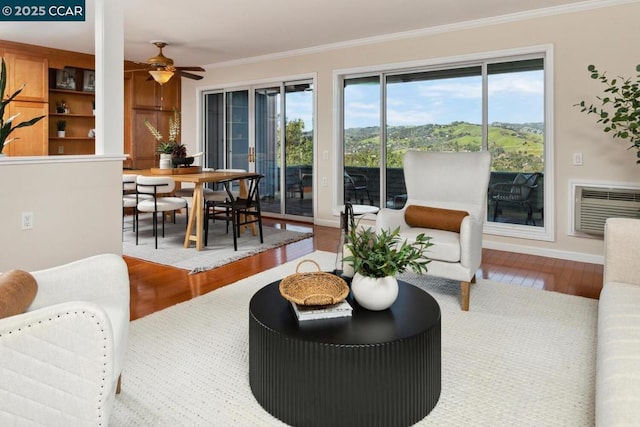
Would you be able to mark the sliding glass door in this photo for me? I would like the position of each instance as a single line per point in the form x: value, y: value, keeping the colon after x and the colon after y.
x: 268, y: 160
x: 298, y: 149
x: 267, y: 129
x: 226, y: 130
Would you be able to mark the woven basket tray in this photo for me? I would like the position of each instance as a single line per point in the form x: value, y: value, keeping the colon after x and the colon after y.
x: 314, y: 288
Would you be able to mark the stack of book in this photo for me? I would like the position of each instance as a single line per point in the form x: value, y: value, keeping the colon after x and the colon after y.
x: 314, y: 312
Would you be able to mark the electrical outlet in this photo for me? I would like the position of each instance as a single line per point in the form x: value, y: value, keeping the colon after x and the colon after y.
x: 60, y: 149
x: 577, y: 159
x: 27, y: 220
x: 324, y: 182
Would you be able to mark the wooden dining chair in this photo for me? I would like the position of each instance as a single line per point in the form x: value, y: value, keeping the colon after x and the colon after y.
x: 218, y: 196
x: 240, y: 210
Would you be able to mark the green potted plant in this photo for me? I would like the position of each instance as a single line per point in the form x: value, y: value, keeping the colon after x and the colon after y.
x: 9, y: 125
x: 61, y: 125
x: 619, y: 109
x: 167, y: 147
x: 377, y: 258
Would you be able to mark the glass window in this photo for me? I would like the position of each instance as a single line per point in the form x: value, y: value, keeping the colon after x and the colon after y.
x: 430, y: 111
x: 492, y: 104
x: 362, y: 140
x: 516, y: 141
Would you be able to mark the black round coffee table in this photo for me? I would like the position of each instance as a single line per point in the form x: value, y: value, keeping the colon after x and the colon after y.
x: 371, y: 369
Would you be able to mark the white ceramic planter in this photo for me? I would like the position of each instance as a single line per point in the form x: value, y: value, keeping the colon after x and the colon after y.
x: 61, y: 133
x: 165, y: 161
x: 374, y: 293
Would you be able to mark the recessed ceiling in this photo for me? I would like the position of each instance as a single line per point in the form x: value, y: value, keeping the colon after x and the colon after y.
x: 207, y: 32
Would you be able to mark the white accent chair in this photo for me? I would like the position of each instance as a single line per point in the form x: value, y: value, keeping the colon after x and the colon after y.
x: 129, y: 197
x: 456, y: 181
x: 60, y: 362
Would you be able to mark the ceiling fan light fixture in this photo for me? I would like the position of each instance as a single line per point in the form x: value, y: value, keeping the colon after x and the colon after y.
x: 161, y: 76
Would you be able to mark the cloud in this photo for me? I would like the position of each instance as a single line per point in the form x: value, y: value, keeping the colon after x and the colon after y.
x: 455, y: 90
x: 516, y: 84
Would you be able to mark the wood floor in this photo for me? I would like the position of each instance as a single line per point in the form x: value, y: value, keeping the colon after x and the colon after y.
x: 154, y: 287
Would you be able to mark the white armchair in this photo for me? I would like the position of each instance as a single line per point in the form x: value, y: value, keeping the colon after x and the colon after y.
x: 452, y: 181
x: 60, y: 361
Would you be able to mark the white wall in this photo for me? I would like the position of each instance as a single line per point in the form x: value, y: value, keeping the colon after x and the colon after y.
x: 606, y: 37
x: 76, y: 205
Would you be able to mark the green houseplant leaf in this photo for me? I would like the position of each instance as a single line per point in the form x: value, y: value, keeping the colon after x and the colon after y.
x: 619, y: 110
x: 386, y: 254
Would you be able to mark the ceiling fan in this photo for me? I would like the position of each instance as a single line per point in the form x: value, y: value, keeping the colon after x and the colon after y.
x: 162, y: 69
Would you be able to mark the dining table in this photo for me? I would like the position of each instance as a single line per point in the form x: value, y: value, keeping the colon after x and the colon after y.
x: 199, y: 179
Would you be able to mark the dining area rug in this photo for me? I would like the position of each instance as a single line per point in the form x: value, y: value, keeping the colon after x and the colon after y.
x: 218, y: 252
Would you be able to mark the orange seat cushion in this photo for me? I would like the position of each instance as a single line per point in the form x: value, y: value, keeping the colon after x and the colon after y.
x: 17, y: 291
x: 435, y: 218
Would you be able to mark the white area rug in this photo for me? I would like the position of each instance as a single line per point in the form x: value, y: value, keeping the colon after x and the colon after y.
x: 519, y: 357
x: 219, y: 251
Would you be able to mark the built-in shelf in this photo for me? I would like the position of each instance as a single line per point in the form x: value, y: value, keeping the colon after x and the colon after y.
x: 89, y: 116
x: 72, y: 92
x: 79, y: 119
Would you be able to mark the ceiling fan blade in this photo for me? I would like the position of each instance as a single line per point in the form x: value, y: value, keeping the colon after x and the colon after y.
x: 188, y: 75
x: 190, y: 68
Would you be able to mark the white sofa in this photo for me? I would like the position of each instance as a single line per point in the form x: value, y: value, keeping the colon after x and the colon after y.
x: 618, y: 351
x: 61, y: 360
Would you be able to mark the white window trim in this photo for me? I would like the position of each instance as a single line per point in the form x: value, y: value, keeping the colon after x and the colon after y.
x: 546, y: 233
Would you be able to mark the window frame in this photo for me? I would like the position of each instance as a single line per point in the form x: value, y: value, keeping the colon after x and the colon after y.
x: 545, y: 233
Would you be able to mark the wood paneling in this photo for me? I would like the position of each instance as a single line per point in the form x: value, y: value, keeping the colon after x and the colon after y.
x: 31, y: 140
x: 147, y: 100
x: 30, y: 69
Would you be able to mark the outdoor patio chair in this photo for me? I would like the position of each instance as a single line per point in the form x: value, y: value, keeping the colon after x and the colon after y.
x: 355, y: 183
x: 519, y: 192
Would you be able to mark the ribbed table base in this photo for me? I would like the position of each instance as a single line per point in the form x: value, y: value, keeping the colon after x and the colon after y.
x: 308, y: 383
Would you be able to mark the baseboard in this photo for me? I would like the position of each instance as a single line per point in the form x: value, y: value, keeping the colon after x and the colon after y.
x: 545, y: 252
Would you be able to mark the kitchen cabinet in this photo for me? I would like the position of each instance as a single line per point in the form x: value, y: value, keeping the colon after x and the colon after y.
x: 30, y: 140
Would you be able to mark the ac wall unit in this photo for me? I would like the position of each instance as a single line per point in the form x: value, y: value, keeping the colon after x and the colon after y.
x: 593, y: 205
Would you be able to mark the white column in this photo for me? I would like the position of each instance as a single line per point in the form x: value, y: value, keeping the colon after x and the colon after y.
x: 109, y: 49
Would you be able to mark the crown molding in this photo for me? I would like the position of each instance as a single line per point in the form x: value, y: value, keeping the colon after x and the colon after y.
x: 496, y: 20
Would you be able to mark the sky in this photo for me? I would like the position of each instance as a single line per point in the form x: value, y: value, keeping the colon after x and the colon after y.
x: 513, y: 98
